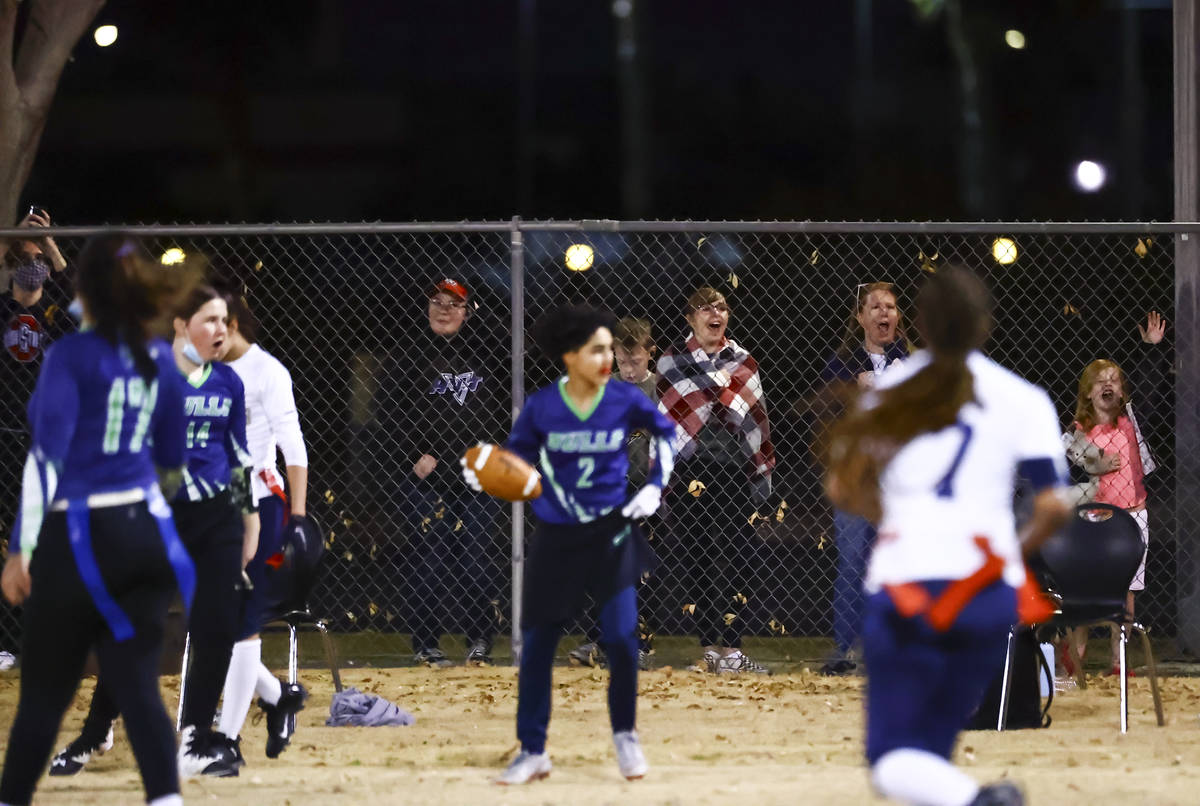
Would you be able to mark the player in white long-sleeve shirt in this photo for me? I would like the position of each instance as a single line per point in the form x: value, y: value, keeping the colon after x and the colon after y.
x: 931, y: 456
x: 272, y: 423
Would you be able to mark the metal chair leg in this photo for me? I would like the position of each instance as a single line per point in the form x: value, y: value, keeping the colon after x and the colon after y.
x: 1153, y: 668
x: 330, y: 653
x: 1124, y: 685
x: 187, y: 649
x: 1006, y: 681
x: 293, y: 669
x: 293, y: 654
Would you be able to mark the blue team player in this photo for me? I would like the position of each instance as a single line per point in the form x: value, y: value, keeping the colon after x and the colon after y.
x: 587, y: 540
x: 94, y: 555
x: 218, y: 519
x: 214, y: 511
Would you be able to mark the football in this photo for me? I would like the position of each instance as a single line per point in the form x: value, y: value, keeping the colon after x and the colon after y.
x: 502, y: 473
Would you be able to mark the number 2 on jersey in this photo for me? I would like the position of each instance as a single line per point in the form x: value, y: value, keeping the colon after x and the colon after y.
x: 945, y: 487
x: 587, y: 466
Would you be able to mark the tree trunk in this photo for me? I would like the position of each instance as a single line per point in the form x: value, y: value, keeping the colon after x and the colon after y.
x: 28, y: 83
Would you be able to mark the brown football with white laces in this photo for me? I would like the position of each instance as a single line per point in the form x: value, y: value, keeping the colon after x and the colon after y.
x: 503, y: 474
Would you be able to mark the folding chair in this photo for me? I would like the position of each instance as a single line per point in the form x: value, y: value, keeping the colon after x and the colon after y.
x: 1088, y: 566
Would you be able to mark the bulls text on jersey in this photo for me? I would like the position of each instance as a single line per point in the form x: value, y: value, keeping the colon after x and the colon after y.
x: 585, y: 441
x: 212, y: 406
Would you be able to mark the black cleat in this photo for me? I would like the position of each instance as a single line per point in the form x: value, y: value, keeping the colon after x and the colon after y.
x: 291, y: 701
x: 1004, y: 793
x: 72, y: 758
x: 233, y: 747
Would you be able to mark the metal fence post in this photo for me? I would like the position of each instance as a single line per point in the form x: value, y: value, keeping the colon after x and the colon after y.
x: 1187, y: 360
x: 518, y: 400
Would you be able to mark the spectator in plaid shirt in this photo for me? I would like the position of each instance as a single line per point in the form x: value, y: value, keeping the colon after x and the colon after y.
x: 710, y: 387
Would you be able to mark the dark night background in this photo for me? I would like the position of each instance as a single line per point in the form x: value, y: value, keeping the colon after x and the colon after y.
x: 324, y: 110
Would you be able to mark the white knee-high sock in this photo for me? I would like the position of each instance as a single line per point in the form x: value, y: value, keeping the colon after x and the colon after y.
x: 168, y: 800
x: 239, y: 686
x: 268, y: 686
x: 922, y: 778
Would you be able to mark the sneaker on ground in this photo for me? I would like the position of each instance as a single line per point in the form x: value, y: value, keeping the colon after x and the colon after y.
x: 589, y: 654
x: 480, y: 653
x: 7, y: 661
x: 1065, y: 683
x: 707, y: 662
x: 434, y: 658
x: 524, y: 768
x: 1004, y: 793
x: 644, y: 660
x: 839, y: 668
x: 72, y: 758
x: 203, y: 752
x: 630, y: 758
x: 737, y: 662
x: 291, y: 701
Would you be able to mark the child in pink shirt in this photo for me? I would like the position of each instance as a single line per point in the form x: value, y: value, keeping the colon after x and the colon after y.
x: 1104, y: 419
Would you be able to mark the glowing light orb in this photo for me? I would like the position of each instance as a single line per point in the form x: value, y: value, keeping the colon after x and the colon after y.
x: 579, y: 257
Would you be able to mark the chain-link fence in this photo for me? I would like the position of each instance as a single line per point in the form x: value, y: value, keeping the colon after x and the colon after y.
x: 392, y: 387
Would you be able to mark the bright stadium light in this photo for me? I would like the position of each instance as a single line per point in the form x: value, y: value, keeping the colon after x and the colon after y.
x: 1014, y: 39
x: 105, y: 35
x: 1090, y: 176
x: 579, y: 257
x: 173, y: 256
x: 1004, y: 250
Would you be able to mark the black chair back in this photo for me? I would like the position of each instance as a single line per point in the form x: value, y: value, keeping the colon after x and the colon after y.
x: 1094, y: 557
x: 290, y: 578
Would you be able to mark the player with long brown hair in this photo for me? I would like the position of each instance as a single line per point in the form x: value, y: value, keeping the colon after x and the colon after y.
x: 930, y: 455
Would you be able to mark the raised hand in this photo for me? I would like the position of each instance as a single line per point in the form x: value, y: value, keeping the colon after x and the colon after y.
x: 1155, y: 329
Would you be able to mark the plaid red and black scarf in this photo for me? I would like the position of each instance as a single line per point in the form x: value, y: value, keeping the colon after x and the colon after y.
x: 694, y: 387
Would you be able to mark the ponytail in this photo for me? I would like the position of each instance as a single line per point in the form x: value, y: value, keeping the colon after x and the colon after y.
x: 127, y: 295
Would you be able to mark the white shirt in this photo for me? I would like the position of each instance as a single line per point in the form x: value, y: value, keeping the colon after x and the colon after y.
x: 271, y: 417
x: 943, y: 489
x: 878, y: 363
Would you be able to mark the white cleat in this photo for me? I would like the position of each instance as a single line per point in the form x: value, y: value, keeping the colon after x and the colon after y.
x: 200, y: 754
x: 630, y: 758
x: 524, y: 768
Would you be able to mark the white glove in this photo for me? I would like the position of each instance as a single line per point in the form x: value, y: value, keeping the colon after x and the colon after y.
x: 469, y: 476
x: 644, y: 504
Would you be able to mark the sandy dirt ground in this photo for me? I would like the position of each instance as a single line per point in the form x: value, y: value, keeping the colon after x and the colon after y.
x: 793, y: 738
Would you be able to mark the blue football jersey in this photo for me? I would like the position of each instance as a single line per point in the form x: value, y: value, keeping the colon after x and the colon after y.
x: 582, y: 455
x: 97, y: 426
x: 215, y: 410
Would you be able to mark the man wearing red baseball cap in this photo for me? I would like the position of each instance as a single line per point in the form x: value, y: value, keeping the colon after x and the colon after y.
x: 436, y: 399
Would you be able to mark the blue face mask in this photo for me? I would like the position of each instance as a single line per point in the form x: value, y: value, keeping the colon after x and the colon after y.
x: 76, y: 309
x: 192, y: 354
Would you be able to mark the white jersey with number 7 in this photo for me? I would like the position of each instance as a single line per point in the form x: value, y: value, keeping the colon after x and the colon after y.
x: 945, y: 488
